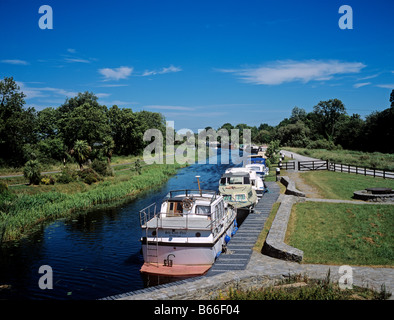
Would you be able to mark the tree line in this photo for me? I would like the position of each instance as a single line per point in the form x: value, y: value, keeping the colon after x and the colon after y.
x: 329, y: 126
x: 80, y: 128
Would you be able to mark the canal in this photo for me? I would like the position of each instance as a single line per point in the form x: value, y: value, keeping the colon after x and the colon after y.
x: 94, y: 254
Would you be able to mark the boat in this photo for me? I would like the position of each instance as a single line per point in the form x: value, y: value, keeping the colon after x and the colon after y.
x: 258, y: 165
x: 236, y: 189
x: 188, y: 232
x: 255, y: 177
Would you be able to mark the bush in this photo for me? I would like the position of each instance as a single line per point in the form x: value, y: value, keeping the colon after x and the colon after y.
x: 48, y: 180
x: 102, y: 168
x: 322, y: 144
x: 89, y: 176
x: 32, y: 171
x: 3, y: 188
x: 68, y: 175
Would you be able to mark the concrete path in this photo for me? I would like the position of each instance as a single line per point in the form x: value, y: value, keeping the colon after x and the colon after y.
x: 296, y: 156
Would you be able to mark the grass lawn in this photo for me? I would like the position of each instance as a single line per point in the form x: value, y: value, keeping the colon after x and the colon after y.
x: 337, y: 185
x: 353, y: 234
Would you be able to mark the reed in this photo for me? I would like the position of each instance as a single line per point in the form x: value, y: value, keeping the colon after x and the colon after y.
x: 22, y: 212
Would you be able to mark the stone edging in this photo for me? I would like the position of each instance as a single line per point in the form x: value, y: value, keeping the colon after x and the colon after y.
x: 274, y: 245
x: 290, y: 187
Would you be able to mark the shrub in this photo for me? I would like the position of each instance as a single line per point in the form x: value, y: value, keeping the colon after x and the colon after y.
x: 102, y: 168
x: 68, y: 175
x: 48, y: 180
x: 3, y: 188
x: 89, y: 176
x: 32, y: 171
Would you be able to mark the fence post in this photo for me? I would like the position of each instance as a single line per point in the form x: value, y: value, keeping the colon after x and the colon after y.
x: 365, y: 171
x: 327, y: 164
x: 384, y: 176
x: 374, y: 172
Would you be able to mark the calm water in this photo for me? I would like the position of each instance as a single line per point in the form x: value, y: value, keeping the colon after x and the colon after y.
x: 95, y: 254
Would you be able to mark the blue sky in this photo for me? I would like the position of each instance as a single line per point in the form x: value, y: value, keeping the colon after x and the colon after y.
x: 202, y: 63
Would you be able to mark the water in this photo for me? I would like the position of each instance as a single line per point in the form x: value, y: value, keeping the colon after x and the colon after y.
x: 92, y: 255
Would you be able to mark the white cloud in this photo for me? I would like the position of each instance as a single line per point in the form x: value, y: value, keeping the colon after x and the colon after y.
x: 359, y: 85
x: 77, y: 60
x: 161, y: 107
x: 44, y: 92
x: 164, y: 70
x: 71, y: 50
x: 289, y: 71
x: 386, y: 86
x: 116, y: 73
x: 15, y: 61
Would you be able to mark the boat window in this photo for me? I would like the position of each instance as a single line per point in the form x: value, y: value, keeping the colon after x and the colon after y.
x: 174, y: 207
x: 227, y: 197
x: 246, y: 180
x: 203, y: 210
x: 250, y: 194
x: 253, y: 182
x: 240, y: 197
x: 223, y: 181
x: 236, y: 180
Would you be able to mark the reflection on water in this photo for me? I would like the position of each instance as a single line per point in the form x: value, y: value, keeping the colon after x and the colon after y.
x: 92, y: 255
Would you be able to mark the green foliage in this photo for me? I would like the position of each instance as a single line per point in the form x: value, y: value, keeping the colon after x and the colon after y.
x: 32, y: 171
x: 102, y: 168
x: 81, y: 151
x: 67, y: 175
x: 48, y: 180
x: 89, y: 176
x: 272, y: 151
x: 137, y: 166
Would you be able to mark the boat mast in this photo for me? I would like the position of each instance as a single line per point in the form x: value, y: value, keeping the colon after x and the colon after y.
x: 198, y: 181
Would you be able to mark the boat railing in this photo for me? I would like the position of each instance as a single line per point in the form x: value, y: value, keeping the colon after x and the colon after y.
x: 150, y: 212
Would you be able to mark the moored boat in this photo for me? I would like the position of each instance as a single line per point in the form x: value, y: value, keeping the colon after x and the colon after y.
x: 188, y: 232
x: 237, y: 190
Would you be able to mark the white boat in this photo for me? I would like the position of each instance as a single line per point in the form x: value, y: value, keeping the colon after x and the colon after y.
x: 257, y: 163
x: 188, y: 232
x: 255, y: 179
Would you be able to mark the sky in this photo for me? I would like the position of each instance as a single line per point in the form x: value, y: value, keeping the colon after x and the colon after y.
x: 202, y: 63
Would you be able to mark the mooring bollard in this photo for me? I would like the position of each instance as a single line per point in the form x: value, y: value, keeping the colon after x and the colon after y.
x: 277, y: 174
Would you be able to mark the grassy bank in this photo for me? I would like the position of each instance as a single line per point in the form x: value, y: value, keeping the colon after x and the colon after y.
x: 28, y: 206
x: 377, y: 160
x: 337, y: 185
x: 353, y: 234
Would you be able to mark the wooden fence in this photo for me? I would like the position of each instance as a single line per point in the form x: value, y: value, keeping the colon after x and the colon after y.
x: 336, y: 167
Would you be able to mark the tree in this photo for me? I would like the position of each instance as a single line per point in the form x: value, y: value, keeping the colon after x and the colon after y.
x: 297, y: 114
x: 82, y: 118
x: 32, y: 171
x: 293, y: 135
x: 81, y: 152
x: 16, y: 124
x: 108, y: 148
x: 328, y: 115
x: 392, y: 98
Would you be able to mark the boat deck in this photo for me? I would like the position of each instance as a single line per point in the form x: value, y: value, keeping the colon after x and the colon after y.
x: 176, y: 222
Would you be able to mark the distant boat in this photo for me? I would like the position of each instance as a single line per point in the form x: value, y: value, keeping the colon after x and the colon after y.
x: 187, y: 233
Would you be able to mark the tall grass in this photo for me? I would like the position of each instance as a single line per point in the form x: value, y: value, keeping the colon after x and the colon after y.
x: 23, y: 211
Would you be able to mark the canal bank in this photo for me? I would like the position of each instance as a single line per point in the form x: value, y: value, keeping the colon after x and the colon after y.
x: 94, y: 254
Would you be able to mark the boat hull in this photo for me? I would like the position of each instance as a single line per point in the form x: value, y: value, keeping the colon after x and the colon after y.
x: 186, y: 258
